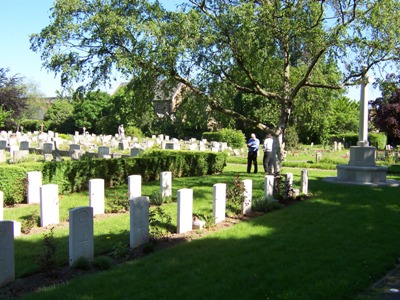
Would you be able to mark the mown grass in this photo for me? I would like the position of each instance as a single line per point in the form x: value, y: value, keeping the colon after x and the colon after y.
x: 331, y: 246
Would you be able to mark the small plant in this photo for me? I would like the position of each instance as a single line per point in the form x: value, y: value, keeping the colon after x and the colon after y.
x: 29, y: 222
x: 235, y: 196
x: 160, y: 223
x: 81, y: 263
x: 47, y: 259
x: 265, y: 204
x: 102, y: 262
x: 120, y: 250
x: 118, y: 204
x: 209, y: 219
x: 157, y: 199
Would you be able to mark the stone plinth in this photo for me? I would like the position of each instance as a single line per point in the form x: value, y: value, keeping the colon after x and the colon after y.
x: 361, y: 174
x: 362, y: 156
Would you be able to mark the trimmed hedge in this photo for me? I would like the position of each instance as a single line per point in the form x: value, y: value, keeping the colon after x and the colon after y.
x: 377, y: 140
x: 74, y: 176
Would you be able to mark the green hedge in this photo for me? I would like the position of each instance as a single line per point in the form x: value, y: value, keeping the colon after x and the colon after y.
x: 235, y: 138
x: 377, y: 140
x: 74, y: 176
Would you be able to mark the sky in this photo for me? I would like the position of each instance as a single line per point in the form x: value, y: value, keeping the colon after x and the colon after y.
x: 21, y: 18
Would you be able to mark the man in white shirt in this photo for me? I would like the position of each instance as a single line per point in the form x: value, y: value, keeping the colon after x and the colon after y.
x: 267, y: 147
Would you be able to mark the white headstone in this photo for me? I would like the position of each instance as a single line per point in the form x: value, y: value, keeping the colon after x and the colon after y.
x: 81, y: 234
x: 219, y: 202
x: 7, y: 265
x: 289, y: 179
x: 185, y: 210
x: 134, y: 186
x: 49, y: 209
x: 17, y: 228
x: 304, y: 182
x: 34, y: 179
x: 166, y: 184
x: 269, y: 187
x: 248, y: 195
x: 139, y: 221
x: 96, y: 195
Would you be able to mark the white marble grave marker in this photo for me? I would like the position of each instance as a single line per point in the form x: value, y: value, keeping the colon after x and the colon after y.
x: 134, y: 186
x: 248, y: 195
x: 7, y: 265
x: 81, y: 234
x: 96, y: 195
x: 34, y: 183
x: 166, y: 184
x: 139, y: 221
x: 185, y: 210
x: 219, y: 202
x: 269, y: 187
x: 304, y: 182
x: 49, y: 210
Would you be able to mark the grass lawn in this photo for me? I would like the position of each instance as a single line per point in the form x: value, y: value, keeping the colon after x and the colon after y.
x: 331, y: 246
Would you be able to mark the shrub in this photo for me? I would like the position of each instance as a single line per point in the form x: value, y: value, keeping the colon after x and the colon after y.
x: 377, y: 140
x: 291, y: 138
x: 29, y: 222
x: 160, y: 223
x: 47, y: 259
x: 157, y: 199
x: 102, y: 262
x: 235, y: 138
x: 117, y: 204
x: 265, y: 204
x: 133, y: 131
x: 81, y: 263
x: 235, y: 196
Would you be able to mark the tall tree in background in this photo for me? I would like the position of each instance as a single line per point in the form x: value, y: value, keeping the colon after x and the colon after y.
x: 12, y: 99
x: 269, y: 49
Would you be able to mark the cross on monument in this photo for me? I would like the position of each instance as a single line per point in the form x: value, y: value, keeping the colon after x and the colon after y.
x: 363, y: 130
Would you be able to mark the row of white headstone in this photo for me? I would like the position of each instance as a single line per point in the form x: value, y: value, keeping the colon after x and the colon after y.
x: 81, y: 232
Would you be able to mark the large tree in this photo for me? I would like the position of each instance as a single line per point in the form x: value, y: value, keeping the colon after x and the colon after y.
x: 271, y: 49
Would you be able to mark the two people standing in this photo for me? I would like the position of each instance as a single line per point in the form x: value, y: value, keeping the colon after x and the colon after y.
x: 252, y: 146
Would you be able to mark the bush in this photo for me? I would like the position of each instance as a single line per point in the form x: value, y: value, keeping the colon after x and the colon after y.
x: 81, y: 263
x: 157, y: 199
x: 133, y: 131
x: 291, y: 138
x: 265, y: 205
x: 235, y: 138
x: 377, y: 140
x: 102, y: 262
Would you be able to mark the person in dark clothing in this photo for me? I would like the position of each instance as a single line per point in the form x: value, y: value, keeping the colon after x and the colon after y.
x: 267, y: 147
x: 252, y: 147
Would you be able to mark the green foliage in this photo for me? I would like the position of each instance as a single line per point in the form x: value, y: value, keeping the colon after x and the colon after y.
x: 208, y: 218
x: 377, y: 140
x: 120, y: 250
x: 291, y: 138
x: 235, y: 138
x: 102, y: 263
x: 235, y: 196
x: 157, y: 199
x: 118, y: 204
x: 265, y: 204
x: 59, y: 117
x: 81, y: 263
x: 160, y: 223
x: 31, y: 125
x: 29, y: 222
x: 133, y: 131
x: 47, y: 258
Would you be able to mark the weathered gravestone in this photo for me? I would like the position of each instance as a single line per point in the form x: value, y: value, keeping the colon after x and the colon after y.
x: 2, y: 155
x: 48, y: 148
x: 269, y: 187
x: 7, y: 265
x: 248, y: 195
x: 81, y: 234
x: 104, y: 152
x: 185, y: 210
x: 134, y: 186
x: 96, y: 195
x: 139, y: 221
x: 24, y: 145
x: 34, y: 179
x: 304, y: 182
x: 219, y: 202
x: 49, y: 210
x: 136, y: 151
x: 166, y: 184
x: 20, y: 155
x: 3, y: 144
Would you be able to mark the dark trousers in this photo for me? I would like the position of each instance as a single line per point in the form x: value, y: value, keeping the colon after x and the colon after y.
x: 252, y: 159
x: 267, y: 162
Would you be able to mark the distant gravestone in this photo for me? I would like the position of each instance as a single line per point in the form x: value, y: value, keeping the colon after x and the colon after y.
x: 34, y: 179
x: 81, y: 234
x: 74, y: 147
x: 269, y: 187
x: 136, y: 151
x: 318, y: 157
x: 166, y: 184
x: 116, y: 155
x: 304, y: 182
x: 24, y: 145
x: 134, y: 186
x: 219, y: 202
x: 185, y: 210
x: 49, y: 209
x: 248, y: 195
x: 96, y: 195
x: 13, y: 148
x: 3, y: 144
x: 48, y: 148
x: 20, y: 155
x: 1, y: 206
x: 104, y: 151
x: 7, y: 265
x: 123, y: 145
x: 3, y: 156
x: 139, y: 221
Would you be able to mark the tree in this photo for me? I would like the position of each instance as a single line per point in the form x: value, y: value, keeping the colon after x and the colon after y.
x: 385, y: 112
x: 12, y: 100
x: 59, y: 117
x: 217, y: 48
x: 36, y: 106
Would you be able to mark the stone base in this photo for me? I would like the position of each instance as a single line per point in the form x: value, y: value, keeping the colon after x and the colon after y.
x: 361, y: 173
x: 362, y: 156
